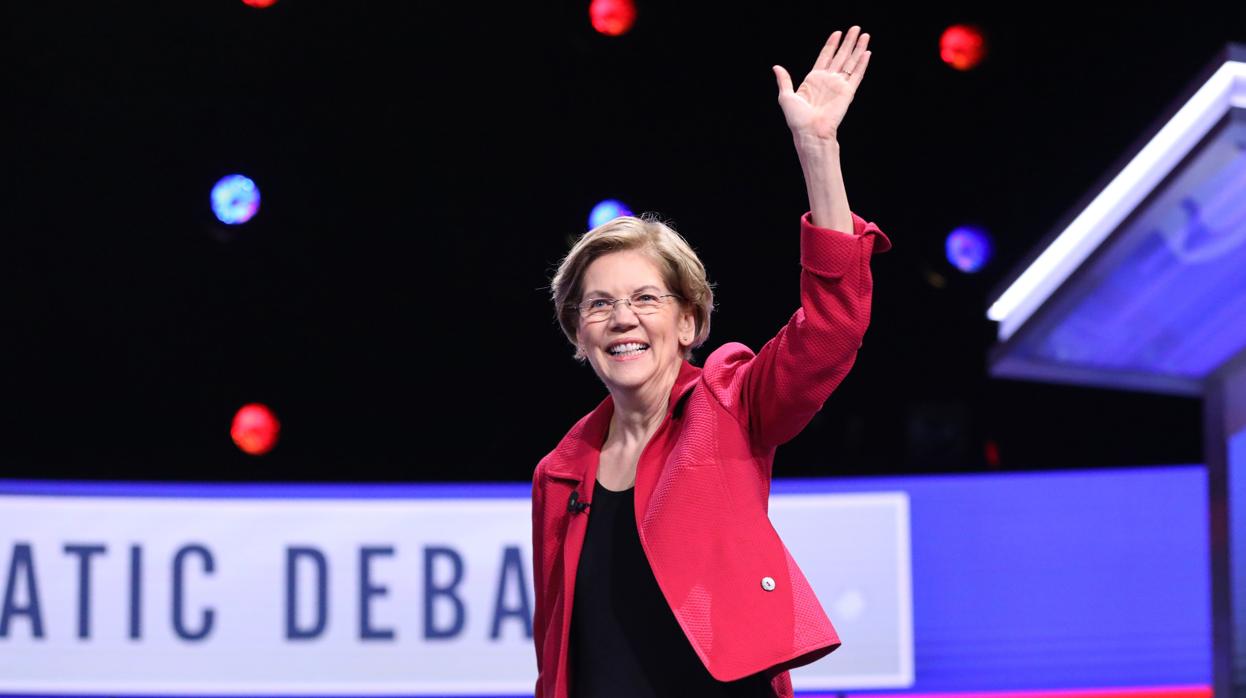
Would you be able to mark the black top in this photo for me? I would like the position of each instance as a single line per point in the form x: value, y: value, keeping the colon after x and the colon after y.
x: 625, y: 640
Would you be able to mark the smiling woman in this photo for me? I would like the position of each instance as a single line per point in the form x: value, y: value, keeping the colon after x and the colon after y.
x: 670, y: 579
x: 633, y: 346
x: 644, y: 252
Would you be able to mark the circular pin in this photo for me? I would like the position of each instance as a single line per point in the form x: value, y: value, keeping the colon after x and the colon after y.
x: 767, y: 583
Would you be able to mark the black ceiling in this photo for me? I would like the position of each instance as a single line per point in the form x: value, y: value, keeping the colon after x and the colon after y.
x: 423, y: 169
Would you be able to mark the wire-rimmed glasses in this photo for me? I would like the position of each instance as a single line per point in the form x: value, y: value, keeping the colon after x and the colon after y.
x: 641, y: 303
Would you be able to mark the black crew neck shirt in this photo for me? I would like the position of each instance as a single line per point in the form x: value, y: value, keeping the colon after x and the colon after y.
x: 625, y: 641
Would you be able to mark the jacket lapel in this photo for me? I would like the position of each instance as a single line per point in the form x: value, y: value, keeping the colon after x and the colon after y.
x: 653, y: 457
x: 687, y: 378
x: 575, y: 460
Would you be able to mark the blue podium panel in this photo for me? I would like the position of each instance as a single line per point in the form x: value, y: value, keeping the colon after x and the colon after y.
x: 1144, y: 286
x: 1164, y: 302
x: 1237, y: 551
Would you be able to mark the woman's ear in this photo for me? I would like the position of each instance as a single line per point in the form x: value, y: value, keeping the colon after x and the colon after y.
x: 687, y: 327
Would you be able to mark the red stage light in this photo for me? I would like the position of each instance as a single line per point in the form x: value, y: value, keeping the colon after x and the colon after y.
x: 612, y: 17
x: 962, y: 46
x: 991, y: 451
x: 255, y: 429
x: 261, y: 4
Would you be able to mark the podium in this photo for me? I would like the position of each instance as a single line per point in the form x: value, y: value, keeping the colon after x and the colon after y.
x: 1142, y: 286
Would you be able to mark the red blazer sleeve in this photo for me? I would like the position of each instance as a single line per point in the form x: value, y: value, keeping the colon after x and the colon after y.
x: 777, y: 391
x: 541, y: 614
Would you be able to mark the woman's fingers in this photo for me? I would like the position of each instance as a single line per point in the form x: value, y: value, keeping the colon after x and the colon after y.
x: 828, y: 51
x: 845, y: 49
x: 858, y: 71
x: 850, y: 65
x: 785, y: 80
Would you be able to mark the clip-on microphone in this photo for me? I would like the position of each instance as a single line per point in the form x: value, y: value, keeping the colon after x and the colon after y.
x: 574, y: 505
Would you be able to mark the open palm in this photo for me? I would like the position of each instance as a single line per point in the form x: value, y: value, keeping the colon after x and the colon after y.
x: 818, y: 106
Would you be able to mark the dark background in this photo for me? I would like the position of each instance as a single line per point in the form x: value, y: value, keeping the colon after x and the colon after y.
x: 424, y: 168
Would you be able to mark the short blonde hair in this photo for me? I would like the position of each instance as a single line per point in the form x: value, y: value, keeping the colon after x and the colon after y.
x: 682, y: 271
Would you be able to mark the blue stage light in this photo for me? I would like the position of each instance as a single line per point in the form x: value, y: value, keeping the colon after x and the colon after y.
x: 235, y: 199
x: 605, y: 211
x: 968, y: 249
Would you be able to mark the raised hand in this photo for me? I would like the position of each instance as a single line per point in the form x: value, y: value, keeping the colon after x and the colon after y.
x: 817, y: 107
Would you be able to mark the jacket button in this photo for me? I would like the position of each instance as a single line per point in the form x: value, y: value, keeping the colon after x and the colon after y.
x: 767, y: 583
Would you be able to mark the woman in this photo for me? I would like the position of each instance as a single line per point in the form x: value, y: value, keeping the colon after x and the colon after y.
x: 657, y: 571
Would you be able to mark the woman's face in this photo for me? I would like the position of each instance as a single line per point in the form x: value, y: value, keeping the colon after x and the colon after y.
x: 663, y: 334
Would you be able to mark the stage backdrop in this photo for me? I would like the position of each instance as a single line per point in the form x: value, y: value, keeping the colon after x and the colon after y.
x: 1069, y: 580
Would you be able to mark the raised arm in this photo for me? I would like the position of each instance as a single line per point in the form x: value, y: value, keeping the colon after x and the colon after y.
x: 781, y: 388
x: 813, y: 113
x: 777, y: 391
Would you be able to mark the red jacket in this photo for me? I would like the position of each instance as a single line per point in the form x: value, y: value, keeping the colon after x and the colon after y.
x: 703, y: 484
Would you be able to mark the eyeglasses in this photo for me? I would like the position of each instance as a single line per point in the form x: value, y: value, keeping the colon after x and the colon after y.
x: 641, y: 303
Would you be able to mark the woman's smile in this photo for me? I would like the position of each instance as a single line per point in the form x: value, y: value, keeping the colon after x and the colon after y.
x: 627, y: 351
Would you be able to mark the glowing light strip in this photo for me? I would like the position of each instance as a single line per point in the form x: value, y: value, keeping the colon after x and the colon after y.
x: 1225, y: 89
